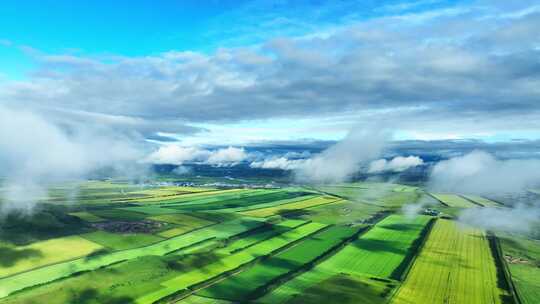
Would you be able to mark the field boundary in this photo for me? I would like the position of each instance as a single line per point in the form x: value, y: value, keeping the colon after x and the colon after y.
x: 438, y: 200
x: 401, y: 272
x: 263, y: 290
x: 502, y: 268
x: 470, y: 200
x: 183, y: 293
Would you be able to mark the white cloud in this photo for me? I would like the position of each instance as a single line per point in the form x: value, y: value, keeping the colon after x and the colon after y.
x: 397, y: 164
x: 282, y: 163
x: 480, y: 172
x: 35, y: 153
x: 339, y: 162
x: 227, y: 156
x: 178, y: 155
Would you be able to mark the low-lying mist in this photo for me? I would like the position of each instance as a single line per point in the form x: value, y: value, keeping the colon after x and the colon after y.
x: 481, y: 173
x: 340, y: 161
x: 36, y: 153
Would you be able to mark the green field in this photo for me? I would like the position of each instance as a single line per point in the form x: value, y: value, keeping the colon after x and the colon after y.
x: 61, y: 270
x: 346, y: 243
x: 263, y: 197
x: 230, y: 262
x: 453, y: 200
x: 242, y: 286
x: 316, y: 285
x: 523, y: 259
x: 118, y: 241
x: 454, y: 266
x: 312, y: 202
x: 15, y: 259
x: 87, y: 216
x: 381, y: 250
x: 482, y: 201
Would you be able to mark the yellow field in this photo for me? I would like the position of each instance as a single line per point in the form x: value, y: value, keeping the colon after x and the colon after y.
x: 44, y: 253
x: 265, y: 212
x: 454, y: 267
x: 160, y: 199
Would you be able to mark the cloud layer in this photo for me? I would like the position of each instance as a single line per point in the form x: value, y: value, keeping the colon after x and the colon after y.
x: 396, y: 164
x: 481, y: 173
x: 178, y: 155
x: 340, y: 161
x: 36, y: 153
x: 472, y: 68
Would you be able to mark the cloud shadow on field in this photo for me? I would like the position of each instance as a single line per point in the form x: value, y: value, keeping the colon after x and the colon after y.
x: 91, y: 295
x: 378, y: 246
x: 10, y: 256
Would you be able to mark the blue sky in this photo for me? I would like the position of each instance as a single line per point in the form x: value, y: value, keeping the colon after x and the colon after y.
x: 234, y: 72
x: 139, y: 28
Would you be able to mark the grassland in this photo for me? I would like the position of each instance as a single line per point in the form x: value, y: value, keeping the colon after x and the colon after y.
x: 454, y: 266
x: 280, y: 209
x: 453, y: 200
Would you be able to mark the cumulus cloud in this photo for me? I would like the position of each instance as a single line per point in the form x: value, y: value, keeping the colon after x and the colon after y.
x: 282, y: 163
x: 227, y: 156
x: 481, y: 173
x: 178, y: 155
x: 396, y: 164
x: 340, y: 161
x: 36, y: 153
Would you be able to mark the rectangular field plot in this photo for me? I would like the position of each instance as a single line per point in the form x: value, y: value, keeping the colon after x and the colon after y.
x: 87, y: 216
x: 482, y: 201
x: 317, y: 201
x: 243, y: 285
x: 453, y: 200
x: 264, y: 197
x: 53, y: 272
x: 184, y: 222
x: 275, y: 203
x: 523, y: 257
x: 183, y: 197
x: 230, y: 262
x: 316, y: 286
x: 455, y: 266
x: 206, y: 197
x: 23, y: 258
x: 118, y: 241
x: 382, y: 250
x: 380, y: 194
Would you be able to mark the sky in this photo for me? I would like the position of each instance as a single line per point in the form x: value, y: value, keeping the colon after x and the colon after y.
x: 246, y: 72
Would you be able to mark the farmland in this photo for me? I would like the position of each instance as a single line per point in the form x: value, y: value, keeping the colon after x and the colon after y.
x: 348, y: 242
x: 455, y: 266
x: 453, y: 200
